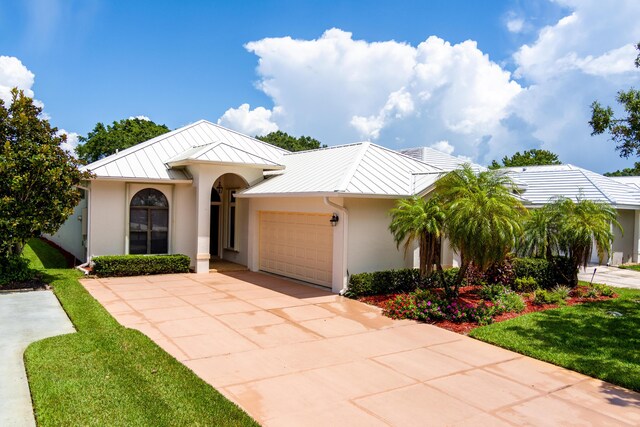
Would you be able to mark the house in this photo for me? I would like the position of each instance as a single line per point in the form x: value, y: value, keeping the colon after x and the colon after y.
x: 213, y: 193
x: 544, y: 183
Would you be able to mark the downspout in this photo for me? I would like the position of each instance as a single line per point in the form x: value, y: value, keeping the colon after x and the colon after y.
x: 82, y: 267
x: 345, y: 241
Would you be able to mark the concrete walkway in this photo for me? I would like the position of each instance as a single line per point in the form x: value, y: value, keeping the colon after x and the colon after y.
x: 24, y: 318
x: 293, y: 355
x: 612, y: 276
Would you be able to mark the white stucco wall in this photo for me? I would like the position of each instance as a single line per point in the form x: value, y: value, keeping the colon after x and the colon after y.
x: 70, y: 236
x: 622, y: 247
x: 371, y: 244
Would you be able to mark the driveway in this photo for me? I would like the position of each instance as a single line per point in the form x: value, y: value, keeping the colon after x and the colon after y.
x: 24, y: 318
x: 611, y: 276
x: 294, y: 355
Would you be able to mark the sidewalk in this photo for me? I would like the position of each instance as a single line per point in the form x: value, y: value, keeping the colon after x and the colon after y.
x: 612, y: 276
x: 24, y: 318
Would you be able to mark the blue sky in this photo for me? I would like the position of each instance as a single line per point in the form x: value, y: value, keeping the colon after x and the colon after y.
x: 525, y: 83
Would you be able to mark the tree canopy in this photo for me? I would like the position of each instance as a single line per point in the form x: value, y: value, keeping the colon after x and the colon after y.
x: 37, y: 177
x: 106, y: 140
x: 533, y: 157
x: 291, y: 143
x: 624, y: 130
x: 634, y: 171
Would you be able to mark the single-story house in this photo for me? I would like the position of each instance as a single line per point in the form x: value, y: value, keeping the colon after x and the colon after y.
x: 213, y: 193
x: 317, y: 216
x: 543, y: 183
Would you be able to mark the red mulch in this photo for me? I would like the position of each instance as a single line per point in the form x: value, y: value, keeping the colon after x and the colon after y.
x: 469, y: 294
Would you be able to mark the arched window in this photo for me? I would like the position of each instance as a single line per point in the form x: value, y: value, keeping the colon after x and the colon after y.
x: 149, y: 223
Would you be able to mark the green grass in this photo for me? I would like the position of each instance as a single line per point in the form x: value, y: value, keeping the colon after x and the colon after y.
x: 582, y: 337
x: 635, y: 267
x: 106, y: 374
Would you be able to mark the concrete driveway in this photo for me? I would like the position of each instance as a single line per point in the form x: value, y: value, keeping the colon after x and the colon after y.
x: 294, y: 355
x: 611, y: 276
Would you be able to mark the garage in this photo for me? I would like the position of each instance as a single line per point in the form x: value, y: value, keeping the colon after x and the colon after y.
x: 297, y: 245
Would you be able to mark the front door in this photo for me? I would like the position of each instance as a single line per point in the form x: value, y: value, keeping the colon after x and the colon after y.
x: 214, y: 224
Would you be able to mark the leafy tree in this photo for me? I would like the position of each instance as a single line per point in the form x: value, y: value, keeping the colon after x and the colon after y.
x: 291, y: 143
x: 533, y: 157
x: 569, y: 228
x: 634, y: 171
x: 483, y: 217
x: 37, y: 177
x: 419, y: 219
x: 624, y: 131
x: 103, y: 140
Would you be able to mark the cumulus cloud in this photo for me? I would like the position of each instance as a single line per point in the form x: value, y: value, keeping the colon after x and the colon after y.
x: 14, y: 74
x: 339, y: 89
x: 145, y: 118
x: 71, y: 143
x: 251, y: 122
x: 443, y: 146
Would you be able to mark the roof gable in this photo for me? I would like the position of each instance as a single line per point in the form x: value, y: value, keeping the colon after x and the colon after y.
x: 148, y: 160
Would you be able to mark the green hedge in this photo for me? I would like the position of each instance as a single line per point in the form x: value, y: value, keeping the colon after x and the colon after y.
x: 547, y: 274
x: 383, y: 282
x: 139, y: 265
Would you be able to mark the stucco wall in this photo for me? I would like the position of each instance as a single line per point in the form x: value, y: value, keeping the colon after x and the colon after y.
x: 623, y: 242
x: 371, y: 244
x: 69, y: 236
x: 107, y: 218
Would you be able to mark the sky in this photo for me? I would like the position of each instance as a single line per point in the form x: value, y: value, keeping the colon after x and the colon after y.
x: 475, y: 79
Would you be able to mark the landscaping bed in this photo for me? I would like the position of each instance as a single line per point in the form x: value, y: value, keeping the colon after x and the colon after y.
x: 471, y: 296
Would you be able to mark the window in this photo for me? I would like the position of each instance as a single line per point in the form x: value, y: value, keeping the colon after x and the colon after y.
x: 149, y: 223
x: 231, y: 223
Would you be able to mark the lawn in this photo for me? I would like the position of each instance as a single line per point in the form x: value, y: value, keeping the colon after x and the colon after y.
x: 106, y: 374
x: 585, y: 338
x: 635, y: 267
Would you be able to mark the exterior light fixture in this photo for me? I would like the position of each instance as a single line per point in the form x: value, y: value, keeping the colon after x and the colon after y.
x: 334, y: 219
x: 219, y: 187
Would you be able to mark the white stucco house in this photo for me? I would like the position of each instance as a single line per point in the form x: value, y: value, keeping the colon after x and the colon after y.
x: 316, y: 216
x: 209, y: 192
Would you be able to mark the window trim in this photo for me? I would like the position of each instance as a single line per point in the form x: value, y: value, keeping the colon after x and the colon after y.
x: 231, y: 205
x: 149, y: 223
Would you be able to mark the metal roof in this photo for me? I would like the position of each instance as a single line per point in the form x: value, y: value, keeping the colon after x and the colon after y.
x: 543, y: 183
x: 633, y: 181
x: 148, y: 160
x: 439, y: 159
x: 355, y: 169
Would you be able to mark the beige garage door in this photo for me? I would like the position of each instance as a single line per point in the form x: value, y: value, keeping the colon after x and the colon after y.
x: 297, y: 245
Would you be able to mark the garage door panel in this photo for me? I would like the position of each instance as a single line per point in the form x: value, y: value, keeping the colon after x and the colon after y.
x: 297, y: 245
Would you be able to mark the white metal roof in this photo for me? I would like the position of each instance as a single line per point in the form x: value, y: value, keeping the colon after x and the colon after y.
x: 543, y: 183
x: 355, y: 169
x: 439, y: 159
x: 634, y: 181
x: 148, y: 160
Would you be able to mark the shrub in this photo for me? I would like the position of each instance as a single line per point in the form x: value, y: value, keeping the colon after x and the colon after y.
x: 360, y: 285
x: 512, y: 302
x: 139, y: 265
x: 591, y: 292
x: 430, y: 309
x: 14, y: 269
x: 525, y: 284
x: 536, y: 268
x: 605, y: 291
x: 543, y: 296
x: 562, y: 291
x: 492, y: 292
x: 562, y: 271
x: 394, y: 281
x: 501, y: 273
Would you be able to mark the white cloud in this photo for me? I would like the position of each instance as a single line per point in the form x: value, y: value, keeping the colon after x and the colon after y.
x: 145, y: 118
x: 515, y: 25
x: 14, y: 74
x: 251, y: 122
x: 71, y: 142
x: 443, y: 146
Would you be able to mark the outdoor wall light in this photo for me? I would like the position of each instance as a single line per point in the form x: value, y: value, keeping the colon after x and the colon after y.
x: 334, y: 219
x: 219, y: 187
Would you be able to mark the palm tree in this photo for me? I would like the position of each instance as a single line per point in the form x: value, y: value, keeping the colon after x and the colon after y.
x: 540, y: 234
x: 579, y: 226
x: 419, y: 219
x: 483, y: 216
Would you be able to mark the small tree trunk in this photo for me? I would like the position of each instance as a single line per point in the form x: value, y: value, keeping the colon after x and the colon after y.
x: 423, y: 256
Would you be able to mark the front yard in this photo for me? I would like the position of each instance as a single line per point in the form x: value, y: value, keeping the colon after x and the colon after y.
x: 590, y: 338
x: 106, y: 374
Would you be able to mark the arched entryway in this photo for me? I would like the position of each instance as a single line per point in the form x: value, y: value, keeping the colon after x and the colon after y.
x: 224, y: 232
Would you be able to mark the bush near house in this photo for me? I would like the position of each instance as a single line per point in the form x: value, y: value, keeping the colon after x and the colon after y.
x: 395, y: 281
x: 139, y: 265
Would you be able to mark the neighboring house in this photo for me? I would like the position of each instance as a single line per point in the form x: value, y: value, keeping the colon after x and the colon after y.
x: 210, y: 193
x: 544, y: 183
